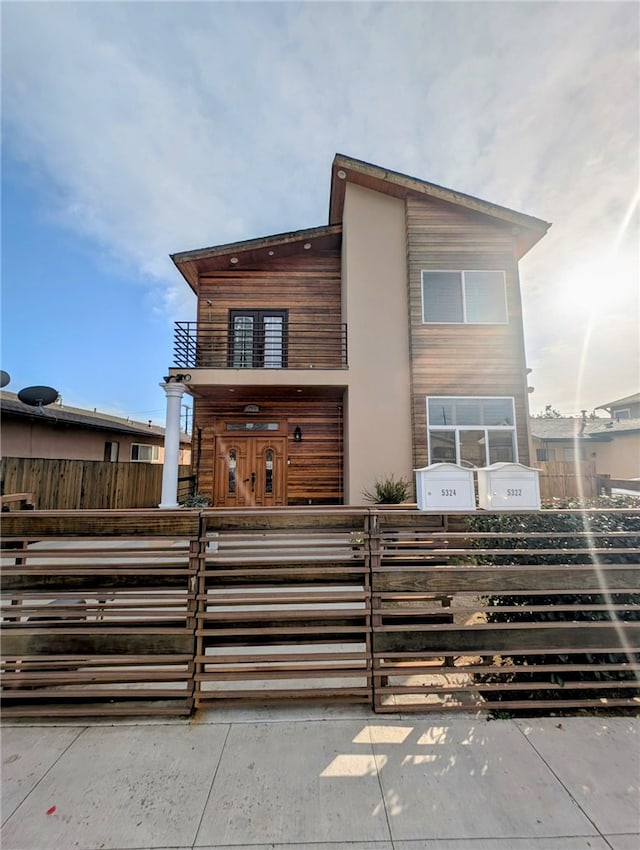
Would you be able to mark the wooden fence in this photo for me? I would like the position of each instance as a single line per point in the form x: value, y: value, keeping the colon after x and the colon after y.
x: 98, y: 485
x: 98, y: 612
x: 283, y: 606
x: 568, y: 480
x: 84, y: 484
x: 516, y: 618
x: 139, y: 612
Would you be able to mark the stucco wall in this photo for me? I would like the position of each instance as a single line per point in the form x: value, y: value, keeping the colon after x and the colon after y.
x: 620, y: 458
x: 378, y: 424
x: 27, y: 438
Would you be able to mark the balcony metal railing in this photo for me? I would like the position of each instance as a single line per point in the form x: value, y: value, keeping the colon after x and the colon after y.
x: 295, y: 345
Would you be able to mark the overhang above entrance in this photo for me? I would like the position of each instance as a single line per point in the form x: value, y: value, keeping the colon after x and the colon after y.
x: 257, y: 395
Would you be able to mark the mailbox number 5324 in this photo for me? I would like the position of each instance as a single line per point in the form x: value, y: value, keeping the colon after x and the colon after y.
x: 447, y: 491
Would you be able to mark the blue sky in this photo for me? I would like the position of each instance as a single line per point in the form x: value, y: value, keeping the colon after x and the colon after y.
x: 135, y: 130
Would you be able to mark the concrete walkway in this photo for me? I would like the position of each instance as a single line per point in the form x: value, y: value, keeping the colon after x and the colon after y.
x: 321, y: 779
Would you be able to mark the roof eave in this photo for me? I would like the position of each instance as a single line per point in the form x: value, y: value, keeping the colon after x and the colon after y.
x: 230, y: 248
x: 531, y: 229
x: 634, y: 398
x: 96, y: 425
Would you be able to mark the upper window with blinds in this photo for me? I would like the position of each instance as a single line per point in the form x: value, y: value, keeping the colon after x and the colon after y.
x: 464, y: 297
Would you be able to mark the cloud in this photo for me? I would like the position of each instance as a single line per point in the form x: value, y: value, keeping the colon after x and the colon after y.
x: 160, y: 127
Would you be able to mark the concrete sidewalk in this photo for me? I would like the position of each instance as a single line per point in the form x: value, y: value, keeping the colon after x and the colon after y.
x: 322, y: 778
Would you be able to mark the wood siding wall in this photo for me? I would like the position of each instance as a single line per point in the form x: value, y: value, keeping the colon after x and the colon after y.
x: 314, y: 474
x: 458, y: 359
x: 308, y: 286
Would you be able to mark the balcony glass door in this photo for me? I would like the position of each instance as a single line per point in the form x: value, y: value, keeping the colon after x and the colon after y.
x: 257, y: 339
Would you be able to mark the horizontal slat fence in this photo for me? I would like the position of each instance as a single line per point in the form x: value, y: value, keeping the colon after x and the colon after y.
x: 518, y: 619
x: 98, y: 613
x: 84, y: 484
x: 155, y: 612
x: 283, y: 607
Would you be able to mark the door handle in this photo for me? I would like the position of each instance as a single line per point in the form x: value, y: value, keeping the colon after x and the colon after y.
x: 252, y: 479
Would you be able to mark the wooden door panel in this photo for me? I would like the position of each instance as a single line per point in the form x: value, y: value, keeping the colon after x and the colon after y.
x: 231, y: 470
x: 250, y: 471
x: 270, y: 466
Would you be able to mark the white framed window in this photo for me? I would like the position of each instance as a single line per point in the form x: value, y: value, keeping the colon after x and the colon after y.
x: 144, y: 453
x: 471, y: 431
x: 472, y: 297
x: 624, y: 413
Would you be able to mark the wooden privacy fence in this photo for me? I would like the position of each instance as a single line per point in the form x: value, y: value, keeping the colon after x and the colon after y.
x: 84, y: 484
x: 155, y: 612
x: 567, y: 480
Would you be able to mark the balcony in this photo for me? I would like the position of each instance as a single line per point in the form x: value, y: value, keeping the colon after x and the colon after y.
x: 250, y: 342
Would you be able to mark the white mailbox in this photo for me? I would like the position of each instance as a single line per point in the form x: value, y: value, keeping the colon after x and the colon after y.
x: 445, y: 487
x: 508, y: 486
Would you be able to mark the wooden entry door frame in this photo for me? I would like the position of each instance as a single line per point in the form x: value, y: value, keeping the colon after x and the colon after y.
x: 250, y: 469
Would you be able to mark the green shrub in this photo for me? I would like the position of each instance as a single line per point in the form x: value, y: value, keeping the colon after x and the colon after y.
x: 388, y: 491
x: 197, y: 501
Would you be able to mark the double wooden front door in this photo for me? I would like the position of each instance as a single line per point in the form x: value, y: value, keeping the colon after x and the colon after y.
x: 250, y: 471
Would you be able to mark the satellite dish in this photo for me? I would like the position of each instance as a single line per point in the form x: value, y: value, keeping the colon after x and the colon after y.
x: 5, y: 377
x: 38, y: 396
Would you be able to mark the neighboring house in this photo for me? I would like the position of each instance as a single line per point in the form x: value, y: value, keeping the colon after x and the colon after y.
x: 615, y: 446
x: 390, y: 338
x: 623, y: 408
x: 70, y: 433
x: 612, y: 444
x: 561, y: 439
x: 618, y: 450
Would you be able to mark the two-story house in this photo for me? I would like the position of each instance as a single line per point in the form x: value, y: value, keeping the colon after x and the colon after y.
x: 388, y: 339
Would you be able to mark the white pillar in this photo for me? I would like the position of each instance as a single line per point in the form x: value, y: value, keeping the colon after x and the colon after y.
x: 174, y: 393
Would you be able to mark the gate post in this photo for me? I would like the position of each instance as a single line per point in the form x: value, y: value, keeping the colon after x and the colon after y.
x: 197, y: 564
x: 373, y: 554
